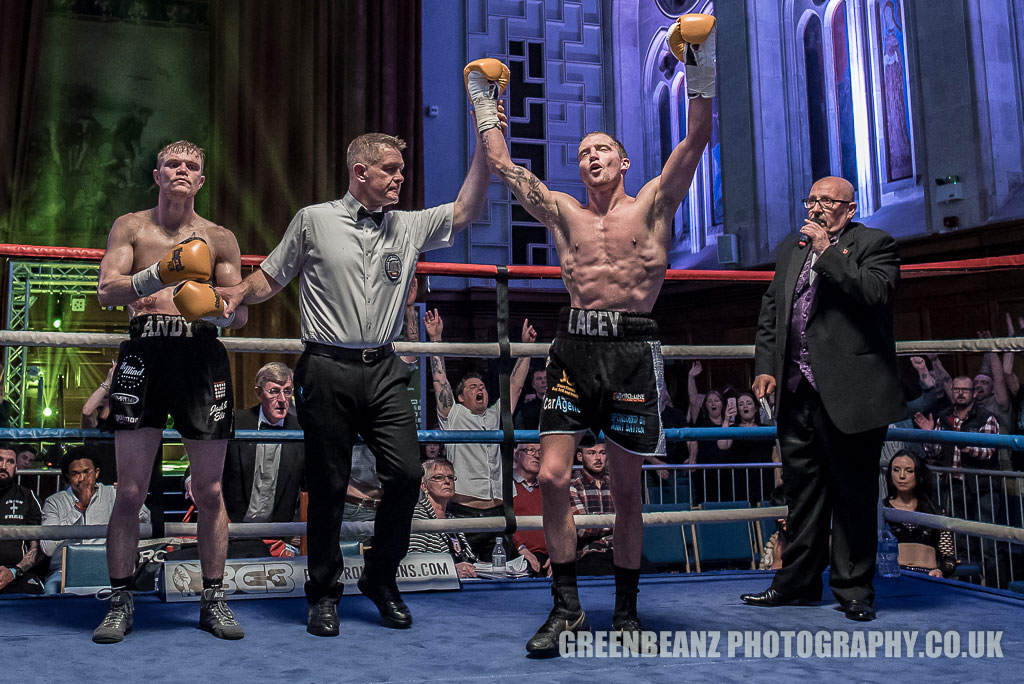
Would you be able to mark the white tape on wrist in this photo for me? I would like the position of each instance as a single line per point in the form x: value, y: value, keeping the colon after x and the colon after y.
x: 700, y: 81
x: 222, y: 321
x: 147, y: 281
x: 486, y: 110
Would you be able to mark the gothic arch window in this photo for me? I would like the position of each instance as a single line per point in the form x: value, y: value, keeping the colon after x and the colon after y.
x: 700, y: 217
x: 817, y: 98
x: 855, y: 107
x: 892, y: 67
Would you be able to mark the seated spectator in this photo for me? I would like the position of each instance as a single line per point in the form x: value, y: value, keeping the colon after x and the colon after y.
x: 478, y: 489
x: 526, y: 500
x: 362, y: 497
x: 429, y: 450
x: 18, y: 506
x: 88, y: 502
x: 924, y: 549
x: 27, y: 456
x: 590, y: 493
x: 528, y: 415
x: 95, y: 413
x: 262, y: 481
x: 438, y: 487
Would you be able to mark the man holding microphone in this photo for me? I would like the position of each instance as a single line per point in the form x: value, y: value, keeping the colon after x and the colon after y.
x: 825, y: 332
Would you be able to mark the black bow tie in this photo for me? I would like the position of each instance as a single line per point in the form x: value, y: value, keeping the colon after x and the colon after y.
x: 264, y: 425
x: 376, y: 216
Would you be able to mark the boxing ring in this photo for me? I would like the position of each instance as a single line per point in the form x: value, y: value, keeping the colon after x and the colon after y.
x: 947, y: 628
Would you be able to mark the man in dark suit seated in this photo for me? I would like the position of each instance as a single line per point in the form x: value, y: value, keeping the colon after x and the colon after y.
x: 262, y: 481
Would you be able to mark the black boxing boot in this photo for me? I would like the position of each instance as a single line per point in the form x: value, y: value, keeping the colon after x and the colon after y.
x: 635, y: 637
x: 566, y: 616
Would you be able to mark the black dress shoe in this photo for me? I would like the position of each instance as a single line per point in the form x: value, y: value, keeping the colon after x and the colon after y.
x: 860, y: 611
x: 393, y: 611
x: 323, y: 617
x: 772, y: 598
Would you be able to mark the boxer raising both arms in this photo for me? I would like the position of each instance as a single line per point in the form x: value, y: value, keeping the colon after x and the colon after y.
x: 172, y: 363
x: 604, y: 368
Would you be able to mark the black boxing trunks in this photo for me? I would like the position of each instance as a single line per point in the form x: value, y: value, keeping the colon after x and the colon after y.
x: 605, y: 372
x: 171, y: 366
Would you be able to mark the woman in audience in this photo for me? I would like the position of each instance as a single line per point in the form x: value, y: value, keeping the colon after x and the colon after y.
x: 708, y: 483
x: 438, y: 487
x: 750, y: 485
x: 923, y: 549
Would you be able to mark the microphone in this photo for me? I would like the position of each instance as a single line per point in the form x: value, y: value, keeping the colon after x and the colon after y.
x: 804, y: 238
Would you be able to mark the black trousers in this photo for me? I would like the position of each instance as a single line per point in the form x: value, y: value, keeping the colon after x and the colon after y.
x: 831, y: 483
x: 337, y: 400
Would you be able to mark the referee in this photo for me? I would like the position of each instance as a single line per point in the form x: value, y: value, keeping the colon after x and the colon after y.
x: 355, y: 265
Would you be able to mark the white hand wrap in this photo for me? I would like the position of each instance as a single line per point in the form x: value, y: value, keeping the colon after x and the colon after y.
x: 700, y: 67
x: 222, y: 321
x: 147, y: 281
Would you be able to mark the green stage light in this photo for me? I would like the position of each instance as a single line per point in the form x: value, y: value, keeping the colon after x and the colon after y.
x: 47, y: 412
x: 56, y: 323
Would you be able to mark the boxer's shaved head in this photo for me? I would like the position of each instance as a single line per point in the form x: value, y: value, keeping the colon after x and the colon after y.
x: 368, y: 149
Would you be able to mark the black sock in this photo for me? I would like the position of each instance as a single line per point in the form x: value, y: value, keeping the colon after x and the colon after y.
x: 121, y: 582
x: 565, y: 572
x: 627, y: 579
x: 215, y: 583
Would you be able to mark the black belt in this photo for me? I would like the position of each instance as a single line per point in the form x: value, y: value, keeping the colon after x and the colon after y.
x: 371, y: 355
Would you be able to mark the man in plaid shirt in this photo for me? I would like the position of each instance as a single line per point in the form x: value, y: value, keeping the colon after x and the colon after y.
x: 590, y: 492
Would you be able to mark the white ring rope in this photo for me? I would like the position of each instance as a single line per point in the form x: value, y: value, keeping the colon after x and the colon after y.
x: 489, y: 524
x: 31, y: 338
x: 971, y: 527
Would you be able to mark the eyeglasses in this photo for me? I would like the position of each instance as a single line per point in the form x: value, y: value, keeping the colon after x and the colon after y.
x: 825, y: 203
x: 277, y: 391
x: 963, y: 389
x: 529, y: 450
x: 441, y: 478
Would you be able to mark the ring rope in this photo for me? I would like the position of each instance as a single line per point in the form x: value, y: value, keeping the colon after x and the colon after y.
x: 1014, y: 442
x: 489, y: 524
x: 33, y: 338
x: 971, y: 527
x: 934, y: 269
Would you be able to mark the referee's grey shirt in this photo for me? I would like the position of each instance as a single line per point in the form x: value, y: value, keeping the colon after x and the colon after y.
x: 354, y: 276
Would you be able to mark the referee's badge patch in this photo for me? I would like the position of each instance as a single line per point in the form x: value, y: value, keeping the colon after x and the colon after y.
x: 392, y: 264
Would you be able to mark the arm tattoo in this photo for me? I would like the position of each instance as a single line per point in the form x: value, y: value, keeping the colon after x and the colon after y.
x: 446, y: 398
x: 519, y: 364
x: 412, y: 324
x: 437, y: 369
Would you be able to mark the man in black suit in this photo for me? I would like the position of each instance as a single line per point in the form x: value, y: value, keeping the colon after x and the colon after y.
x: 825, y: 331
x: 262, y: 481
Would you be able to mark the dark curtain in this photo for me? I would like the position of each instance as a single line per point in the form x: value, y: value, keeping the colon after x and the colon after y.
x: 292, y: 84
x: 21, y: 24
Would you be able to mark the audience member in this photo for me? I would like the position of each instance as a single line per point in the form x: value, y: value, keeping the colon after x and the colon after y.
x: 922, y: 548
x: 430, y: 450
x: 95, y: 414
x: 478, y: 489
x: 744, y: 484
x: 18, y: 506
x: 526, y: 500
x: 992, y: 394
x: 1015, y: 390
x: 27, y: 455
x: 528, y: 415
x: 771, y: 555
x: 438, y: 487
x: 262, y: 480
x: 87, y: 502
x: 591, y: 493
x: 708, y: 482
x: 362, y: 497
x: 967, y: 416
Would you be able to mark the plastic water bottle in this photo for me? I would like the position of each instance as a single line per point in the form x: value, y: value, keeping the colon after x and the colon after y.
x: 888, y: 554
x: 498, y: 558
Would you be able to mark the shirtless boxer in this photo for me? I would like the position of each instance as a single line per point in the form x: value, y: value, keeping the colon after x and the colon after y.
x: 604, y: 368
x: 172, y: 363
